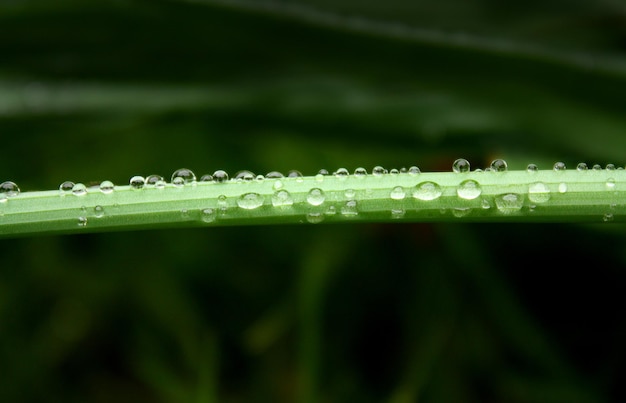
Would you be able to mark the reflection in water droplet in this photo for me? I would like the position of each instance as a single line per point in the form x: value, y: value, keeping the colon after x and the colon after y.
x: 610, y: 183
x: 282, y: 198
x: 610, y: 167
x: 394, y: 171
x: 245, y: 176
x: 509, y: 203
x: 350, y: 209
x: 203, y: 178
x: 137, y: 182
x: 208, y: 215
x: 315, y: 197
x: 414, y: 170
x: 153, y: 180
x: 250, y: 201
x: 315, y: 217
x: 82, y: 221
x: 468, y: 189
x: 8, y: 189
x: 461, y: 165
x: 183, y: 176
x: 562, y: 187
x: 220, y: 176
x: 538, y: 192
x: 106, y: 187
x: 608, y: 217
x: 427, y: 191
x: 342, y: 173
x: 499, y: 165
x: 98, y: 211
x: 360, y: 172
x: 79, y: 189
x: 397, y: 193
x: 532, y: 168
x: 378, y: 171
x: 559, y: 166
x: 582, y: 167
x: 66, y: 187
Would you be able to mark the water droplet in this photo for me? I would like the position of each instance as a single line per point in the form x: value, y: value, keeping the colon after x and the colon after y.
x: 79, y: 189
x: 562, y: 187
x: 9, y: 189
x: 208, y: 215
x: 394, y: 171
x: 282, y: 198
x: 98, y: 211
x: 610, y: 183
x: 427, y: 191
x: 414, y: 170
x: 319, y: 178
x: 608, y: 217
x: 397, y: 193
x: 294, y: 174
x: 153, y: 180
x: 360, y: 172
x: 378, y: 171
x: 532, y: 168
x: 468, y: 189
x: 82, y: 221
x: 559, y: 166
x: 538, y: 192
x: 66, y: 188
x: 184, y: 214
x: 342, y: 173
x: 597, y: 167
x: 397, y: 213
x: 315, y: 197
x: 220, y: 176
x: 245, y: 176
x: 581, y: 167
x: 107, y: 187
x: 499, y: 165
x: 203, y: 178
x: 222, y: 202
x: 484, y: 203
x: 260, y: 178
x: 278, y: 184
x: 509, y: 203
x: 610, y: 167
x: 274, y: 175
x: 332, y: 210
x: 323, y: 172
x: 461, y: 165
x: 315, y: 217
x: 459, y: 212
x: 350, y: 209
x: 250, y: 201
x: 349, y: 193
x: 183, y: 176
x: 137, y: 182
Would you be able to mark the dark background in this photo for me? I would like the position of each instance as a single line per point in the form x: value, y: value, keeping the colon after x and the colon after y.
x: 95, y: 90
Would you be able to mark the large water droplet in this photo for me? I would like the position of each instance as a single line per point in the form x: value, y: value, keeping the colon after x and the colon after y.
x: 498, y: 165
x: 107, y: 187
x: 245, y: 176
x: 250, y: 201
x: 79, y: 189
x: 274, y: 175
x: 461, y: 165
x: 378, y: 171
x: 154, y: 180
x: 323, y: 172
x: 509, y: 203
x: 220, y: 176
x: 597, y: 167
x: 282, y: 198
x: 360, y: 172
x: 427, y: 191
x: 538, y: 192
x: 469, y: 189
x: 203, y: 178
x: 581, y: 167
x: 350, y: 209
x: 315, y: 197
x: 137, y: 182
x: 559, y: 166
x: 315, y: 217
x: 183, y: 176
x: 294, y: 174
x: 397, y: 193
x: 8, y: 189
x: 394, y: 171
x: 342, y: 173
x: 66, y: 188
x: 610, y: 167
x: 414, y: 170
x: 532, y: 168
x: 208, y: 215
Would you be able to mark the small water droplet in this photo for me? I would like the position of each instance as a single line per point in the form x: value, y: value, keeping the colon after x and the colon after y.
x: 8, y: 189
x: 608, y: 217
x: 315, y: 197
x: 468, y: 189
x: 79, y: 189
x: 137, y: 182
x: 350, y: 209
x: 397, y: 193
x: 183, y: 176
x: 222, y: 202
x: 459, y: 212
x: 220, y: 176
x: 250, y: 201
x: 282, y: 198
x: 98, y: 211
x: 610, y: 167
x: 107, y: 187
x: 274, y: 175
x: 498, y: 165
x: 153, y: 180
x: 315, y: 217
x: 319, y: 178
x: 562, y: 187
x: 260, y: 178
x: 323, y: 172
x: 559, y: 166
x: 397, y: 213
x: 414, y: 170
x: 208, y: 215
x: 461, y: 165
x: 394, y: 171
x: 184, y: 214
x: 597, y: 167
x: 278, y: 184
x: 294, y: 174
x: 484, y: 203
x: 342, y: 173
x: 610, y: 183
x: 509, y: 203
x: 532, y: 168
x: 360, y: 172
x: 378, y: 171
x: 582, y: 167
x: 245, y: 176
x: 427, y: 191
x: 538, y: 192
x: 203, y: 178
x: 66, y: 188
x: 82, y: 221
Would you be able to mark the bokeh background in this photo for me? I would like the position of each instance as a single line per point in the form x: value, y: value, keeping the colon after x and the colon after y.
x: 95, y: 90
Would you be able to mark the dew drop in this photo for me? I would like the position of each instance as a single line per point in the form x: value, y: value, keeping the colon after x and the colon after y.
x: 394, y: 171
x: 260, y: 178
x: 414, y: 170
x: 274, y: 175
x: 397, y: 193
x: 610, y: 183
x: 98, y: 211
x: 323, y: 172
x: 597, y: 167
x: 397, y: 213
x: 427, y: 191
x: 184, y: 214
x: 220, y: 176
x: 66, y: 188
x: 610, y: 167
x: 245, y: 176
x: 485, y: 204
x: 532, y: 168
x: 459, y: 212
x: 509, y: 203
x: 559, y: 166
x: 350, y: 209
x: 107, y: 187
x: 278, y: 184
x: 208, y: 215
x: 137, y: 182
x: 315, y: 197
x: 319, y: 178
x: 360, y: 172
x: 581, y: 167
x: 294, y: 174
x: 183, y: 176
x: 468, y: 189
x: 9, y: 189
x: 153, y: 180
x: 82, y: 221
x: 250, y: 201
x: 315, y: 217
x: 461, y: 165
x: 378, y: 171
x: 349, y: 193
x: 332, y: 210
x: 562, y: 187
x: 342, y: 173
x: 608, y: 217
x: 203, y: 178
x: 498, y: 165
x: 222, y: 202
x: 282, y: 198
x: 79, y: 189
x: 538, y: 192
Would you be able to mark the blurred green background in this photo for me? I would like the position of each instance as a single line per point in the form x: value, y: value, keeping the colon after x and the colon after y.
x: 94, y: 90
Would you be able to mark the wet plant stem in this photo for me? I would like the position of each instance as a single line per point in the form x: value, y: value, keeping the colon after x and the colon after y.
x: 549, y: 196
